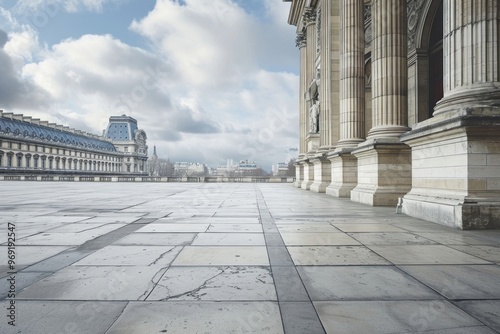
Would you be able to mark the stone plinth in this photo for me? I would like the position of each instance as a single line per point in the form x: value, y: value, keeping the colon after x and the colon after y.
x: 308, y: 175
x: 312, y: 143
x: 384, y: 172
x: 299, y: 175
x: 456, y: 169
x: 322, y: 172
x: 344, y: 171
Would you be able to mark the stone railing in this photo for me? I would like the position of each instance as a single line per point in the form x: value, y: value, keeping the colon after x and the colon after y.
x: 116, y: 178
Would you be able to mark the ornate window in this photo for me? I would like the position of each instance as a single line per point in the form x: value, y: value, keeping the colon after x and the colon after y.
x: 19, y: 157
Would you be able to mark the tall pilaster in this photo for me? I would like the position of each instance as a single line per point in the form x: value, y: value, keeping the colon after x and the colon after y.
x: 456, y: 173
x: 352, y: 97
x: 384, y: 170
x: 312, y: 139
x: 303, y: 112
x: 325, y: 20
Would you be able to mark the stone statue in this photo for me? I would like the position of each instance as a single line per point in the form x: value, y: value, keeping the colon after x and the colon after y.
x: 314, y: 118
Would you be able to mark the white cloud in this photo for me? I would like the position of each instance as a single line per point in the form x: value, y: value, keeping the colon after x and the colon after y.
x: 70, y: 6
x: 211, y: 87
x: 211, y: 42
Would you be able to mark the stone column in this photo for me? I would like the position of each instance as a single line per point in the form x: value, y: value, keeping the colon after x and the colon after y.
x: 389, y: 69
x: 471, y: 54
x: 384, y: 170
x: 301, y: 42
x: 352, y: 74
x: 312, y: 140
x: 456, y: 174
x: 352, y: 97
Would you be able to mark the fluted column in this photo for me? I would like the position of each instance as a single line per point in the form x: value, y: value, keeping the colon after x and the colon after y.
x: 303, y: 112
x: 352, y: 75
x: 471, y: 54
x: 309, y: 22
x: 383, y: 162
x: 389, y: 69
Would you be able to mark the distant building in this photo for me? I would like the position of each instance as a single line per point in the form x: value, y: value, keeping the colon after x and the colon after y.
x: 244, y: 167
x: 226, y: 170
x: 190, y: 168
x: 280, y: 169
x: 29, y: 145
x: 130, y: 140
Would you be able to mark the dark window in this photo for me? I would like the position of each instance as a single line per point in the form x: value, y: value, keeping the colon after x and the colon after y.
x: 436, y: 61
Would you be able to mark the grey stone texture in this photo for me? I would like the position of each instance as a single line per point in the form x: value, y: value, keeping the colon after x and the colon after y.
x: 237, y: 258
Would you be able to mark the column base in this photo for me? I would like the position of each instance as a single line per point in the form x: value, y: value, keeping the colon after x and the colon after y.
x: 344, y: 171
x: 308, y: 175
x: 452, y: 213
x: 384, y: 172
x: 299, y: 174
x: 322, y: 170
x: 456, y: 174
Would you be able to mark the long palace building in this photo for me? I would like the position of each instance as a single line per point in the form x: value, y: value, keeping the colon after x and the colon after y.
x: 400, y: 105
x: 32, y: 146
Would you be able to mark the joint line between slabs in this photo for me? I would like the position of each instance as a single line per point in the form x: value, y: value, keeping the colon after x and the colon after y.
x: 267, y: 220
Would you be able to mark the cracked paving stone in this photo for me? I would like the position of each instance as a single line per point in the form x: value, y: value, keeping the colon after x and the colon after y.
x: 95, y: 283
x: 215, y: 283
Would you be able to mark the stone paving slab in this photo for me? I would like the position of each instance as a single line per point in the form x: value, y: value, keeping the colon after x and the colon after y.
x: 460, y: 282
x: 202, y: 318
x: 394, y: 317
x: 37, y: 317
x: 335, y: 255
x: 237, y: 258
x: 157, y: 239
x: 96, y: 283
x: 363, y: 283
x: 215, y: 283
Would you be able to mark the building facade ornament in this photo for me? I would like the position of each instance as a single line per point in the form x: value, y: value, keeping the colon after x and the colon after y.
x: 318, y: 31
x: 301, y: 40
x: 314, y: 117
x: 309, y: 16
x: 368, y: 24
x: 415, y: 8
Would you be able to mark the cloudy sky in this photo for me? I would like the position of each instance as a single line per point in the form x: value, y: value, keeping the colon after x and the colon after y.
x: 208, y: 80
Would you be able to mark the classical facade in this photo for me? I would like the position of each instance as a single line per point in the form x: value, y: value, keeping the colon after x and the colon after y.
x: 130, y: 141
x: 32, y: 146
x: 400, y: 105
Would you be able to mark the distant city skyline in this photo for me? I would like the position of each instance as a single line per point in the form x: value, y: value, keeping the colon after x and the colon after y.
x: 200, y: 88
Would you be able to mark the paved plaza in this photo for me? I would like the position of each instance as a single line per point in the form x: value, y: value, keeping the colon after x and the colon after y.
x: 145, y: 258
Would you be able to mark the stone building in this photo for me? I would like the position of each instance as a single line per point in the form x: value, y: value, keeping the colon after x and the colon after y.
x: 130, y: 141
x: 32, y: 146
x: 400, y: 105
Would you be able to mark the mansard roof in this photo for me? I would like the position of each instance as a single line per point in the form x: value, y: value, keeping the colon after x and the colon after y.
x: 13, y: 127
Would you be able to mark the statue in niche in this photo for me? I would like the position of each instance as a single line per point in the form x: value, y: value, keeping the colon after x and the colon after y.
x: 314, y: 117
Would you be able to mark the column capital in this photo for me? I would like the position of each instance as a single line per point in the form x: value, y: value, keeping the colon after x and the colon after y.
x: 301, y: 40
x: 309, y: 16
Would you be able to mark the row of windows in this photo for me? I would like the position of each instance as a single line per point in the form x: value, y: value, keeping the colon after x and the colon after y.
x: 29, y: 161
x: 53, y: 150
